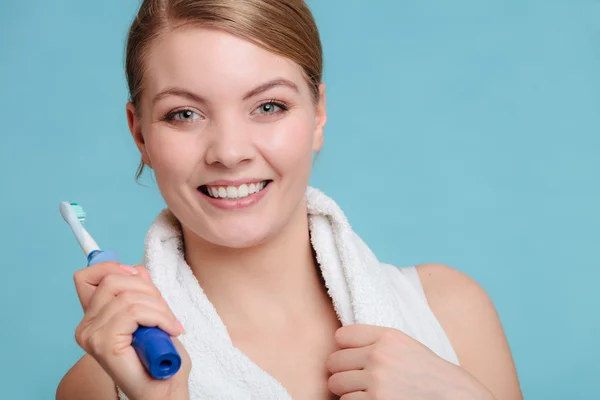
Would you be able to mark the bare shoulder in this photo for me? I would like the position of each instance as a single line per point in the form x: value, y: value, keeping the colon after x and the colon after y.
x: 452, y: 292
x: 86, y: 380
x: 469, y: 318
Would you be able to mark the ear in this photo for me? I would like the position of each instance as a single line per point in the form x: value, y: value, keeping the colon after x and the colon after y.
x: 320, y: 119
x: 135, y: 127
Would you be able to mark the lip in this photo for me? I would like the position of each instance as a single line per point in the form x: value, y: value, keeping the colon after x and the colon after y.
x: 235, y: 204
x: 236, y: 183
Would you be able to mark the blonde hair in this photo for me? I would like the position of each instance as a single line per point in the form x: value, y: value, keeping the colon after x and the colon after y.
x: 284, y: 27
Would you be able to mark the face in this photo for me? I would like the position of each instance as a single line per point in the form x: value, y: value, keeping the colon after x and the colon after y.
x: 229, y: 130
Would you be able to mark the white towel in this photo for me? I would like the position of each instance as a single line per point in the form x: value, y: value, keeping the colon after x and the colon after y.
x: 362, y: 290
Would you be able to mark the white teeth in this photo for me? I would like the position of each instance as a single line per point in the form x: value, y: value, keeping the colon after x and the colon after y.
x: 232, y: 192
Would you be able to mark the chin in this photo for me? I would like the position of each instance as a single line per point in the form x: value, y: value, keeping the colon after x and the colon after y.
x: 239, y: 238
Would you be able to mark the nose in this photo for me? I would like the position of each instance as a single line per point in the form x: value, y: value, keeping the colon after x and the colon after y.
x: 229, y: 145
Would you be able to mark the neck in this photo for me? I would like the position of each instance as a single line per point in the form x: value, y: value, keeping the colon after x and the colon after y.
x: 268, y: 285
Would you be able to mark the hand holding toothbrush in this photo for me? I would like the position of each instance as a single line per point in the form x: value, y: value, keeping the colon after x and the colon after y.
x: 153, y: 345
x: 116, y: 300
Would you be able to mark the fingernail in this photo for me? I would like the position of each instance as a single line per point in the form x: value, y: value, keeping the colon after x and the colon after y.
x: 129, y: 269
x: 181, y: 328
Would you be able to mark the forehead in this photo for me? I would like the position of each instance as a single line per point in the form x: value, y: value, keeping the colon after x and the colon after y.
x: 214, y: 62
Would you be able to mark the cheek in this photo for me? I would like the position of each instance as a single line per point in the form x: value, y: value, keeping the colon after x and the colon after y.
x: 288, y: 147
x: 173, y: 156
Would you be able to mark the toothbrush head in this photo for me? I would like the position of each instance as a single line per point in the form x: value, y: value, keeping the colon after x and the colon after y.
x: 72, y: 213
x: 74, y: 216
x: 79, y: 212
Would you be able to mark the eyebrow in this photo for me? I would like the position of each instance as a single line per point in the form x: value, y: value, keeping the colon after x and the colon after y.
x: 180, y: 92
x: 269, y: 85
x: 175, y: 91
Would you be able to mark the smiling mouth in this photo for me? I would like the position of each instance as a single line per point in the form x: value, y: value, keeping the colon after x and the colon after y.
x: 234, y: 192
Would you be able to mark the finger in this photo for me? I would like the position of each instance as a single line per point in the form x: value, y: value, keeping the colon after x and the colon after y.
x: 348, y: 359
x: 113, y: 285
x: 140, y: 314
x: 356, y: 396
x: 348, y: 381
x: 143, y: 272
x: 358, y: 335
x: 87, y: 279
x: 136, y: 306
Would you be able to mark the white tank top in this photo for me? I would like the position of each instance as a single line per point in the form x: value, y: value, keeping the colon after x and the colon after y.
x: 418, y: 300
x: 413, y: 276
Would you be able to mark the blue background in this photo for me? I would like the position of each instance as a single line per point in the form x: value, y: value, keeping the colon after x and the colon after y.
x: 461, y: 132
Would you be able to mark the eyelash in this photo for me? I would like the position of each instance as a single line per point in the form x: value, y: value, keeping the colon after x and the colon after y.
x: 170, y: 117
x: 284, y: 107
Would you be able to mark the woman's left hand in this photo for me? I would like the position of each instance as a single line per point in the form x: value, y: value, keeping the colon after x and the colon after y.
x: 379, y: 363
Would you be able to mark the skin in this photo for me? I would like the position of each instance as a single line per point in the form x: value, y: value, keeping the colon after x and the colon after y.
x: 273, y: 312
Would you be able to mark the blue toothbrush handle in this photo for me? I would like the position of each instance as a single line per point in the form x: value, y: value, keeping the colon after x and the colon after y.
x: 153, y: 346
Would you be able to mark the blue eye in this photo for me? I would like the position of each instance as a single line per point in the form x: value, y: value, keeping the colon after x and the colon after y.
x: 270, y: 107
x: 183, y: 116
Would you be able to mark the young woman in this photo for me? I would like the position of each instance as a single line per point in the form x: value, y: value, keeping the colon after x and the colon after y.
x: 278, y: 297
